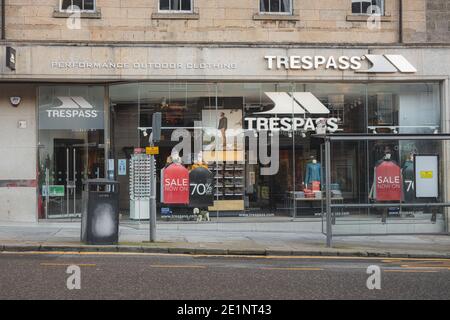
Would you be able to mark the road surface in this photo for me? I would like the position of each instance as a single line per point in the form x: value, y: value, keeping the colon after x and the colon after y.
x: 148, y: 276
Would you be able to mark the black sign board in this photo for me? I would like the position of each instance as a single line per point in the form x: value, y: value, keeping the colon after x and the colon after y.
x: 11, y: 58
x: 201, y: 188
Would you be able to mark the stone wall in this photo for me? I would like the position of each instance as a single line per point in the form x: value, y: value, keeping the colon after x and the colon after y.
x: 318, y: 21
x: 18, y: 154
x: 438, y: 21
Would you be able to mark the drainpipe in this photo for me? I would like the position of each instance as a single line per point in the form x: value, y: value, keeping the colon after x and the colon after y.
x: 3, y: 20
x: 400, y: 21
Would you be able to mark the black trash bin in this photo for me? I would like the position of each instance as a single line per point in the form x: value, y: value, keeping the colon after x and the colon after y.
x: 100, y: 220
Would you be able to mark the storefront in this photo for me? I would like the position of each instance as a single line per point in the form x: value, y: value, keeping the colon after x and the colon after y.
x: 250, y: 116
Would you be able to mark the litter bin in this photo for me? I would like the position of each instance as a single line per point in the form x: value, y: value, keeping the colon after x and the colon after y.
x: 100, y: 220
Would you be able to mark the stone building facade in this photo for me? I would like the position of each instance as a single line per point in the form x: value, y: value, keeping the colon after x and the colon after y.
x: 215, y: 56
x: 321, y: 21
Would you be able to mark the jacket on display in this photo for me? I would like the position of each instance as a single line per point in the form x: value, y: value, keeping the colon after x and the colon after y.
x: 313, y: 173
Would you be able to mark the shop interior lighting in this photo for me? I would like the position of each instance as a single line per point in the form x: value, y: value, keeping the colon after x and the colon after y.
x: 144, y: 132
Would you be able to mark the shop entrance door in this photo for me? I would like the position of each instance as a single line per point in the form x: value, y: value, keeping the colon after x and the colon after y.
x: 71, y: 146
x: 70, y: 167
x: 65, y: 164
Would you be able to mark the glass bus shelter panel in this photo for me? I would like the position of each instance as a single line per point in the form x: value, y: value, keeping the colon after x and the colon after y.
x: 415, y: 210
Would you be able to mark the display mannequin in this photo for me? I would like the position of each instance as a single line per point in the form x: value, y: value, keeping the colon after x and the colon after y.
x: 313, y: 172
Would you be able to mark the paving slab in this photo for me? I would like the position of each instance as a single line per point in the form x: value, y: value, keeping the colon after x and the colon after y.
x: 214, y: 240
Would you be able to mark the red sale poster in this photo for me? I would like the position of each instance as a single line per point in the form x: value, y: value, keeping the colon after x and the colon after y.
x: 176, y: 184
x: 388, y: 182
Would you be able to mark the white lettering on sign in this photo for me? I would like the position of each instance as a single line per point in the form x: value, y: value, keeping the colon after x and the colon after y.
x: 379, y: 63
x: 388, y: 180
x: 72, y: 113
x: 290, y: 124
x: 293, y: 104
x: 313, y: 62
x: 73, y: 107
x: 176, y: 185
x: 89, y: 65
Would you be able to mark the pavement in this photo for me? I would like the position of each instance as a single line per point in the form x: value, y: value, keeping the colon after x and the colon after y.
x: 100, y: 276
x: 251, y: 237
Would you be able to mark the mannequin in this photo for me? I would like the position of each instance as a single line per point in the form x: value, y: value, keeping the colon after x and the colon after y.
x: 313, y: 172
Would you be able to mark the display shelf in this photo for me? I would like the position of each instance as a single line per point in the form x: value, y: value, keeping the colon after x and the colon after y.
x: 229, y: 181
x: 140, y: 183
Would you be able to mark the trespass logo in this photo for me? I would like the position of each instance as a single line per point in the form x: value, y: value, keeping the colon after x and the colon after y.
x: 71, y: 112
x: 73, y: 107
x: 293, y: 112
x: 378, y: 63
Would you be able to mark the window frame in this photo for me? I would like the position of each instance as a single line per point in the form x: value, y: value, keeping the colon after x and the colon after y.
x: 81, y: 10
x: 383, y: 9
x: 285, y: 13
x: 175, y: 11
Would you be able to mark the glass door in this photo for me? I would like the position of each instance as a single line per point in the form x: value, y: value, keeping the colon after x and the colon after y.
x: 71, y: 146
x: 70, y: 162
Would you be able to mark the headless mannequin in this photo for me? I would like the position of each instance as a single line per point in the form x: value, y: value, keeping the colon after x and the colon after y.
x: 313, y: 172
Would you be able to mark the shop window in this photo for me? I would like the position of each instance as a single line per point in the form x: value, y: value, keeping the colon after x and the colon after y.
x: 77, y: 5
x: 175, y: 5
x: 276, y: 6
x: 368, y: 7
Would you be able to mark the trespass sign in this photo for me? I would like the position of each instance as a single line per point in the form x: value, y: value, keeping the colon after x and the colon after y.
x: 293, y: 111
x: 313, y: 62
x: 72, y: 113
x: 377, y: 63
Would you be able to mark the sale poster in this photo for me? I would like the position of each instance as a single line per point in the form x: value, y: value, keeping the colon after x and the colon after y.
x: 202, y: 188
x: 176, y: 184
x: 388, y: 181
